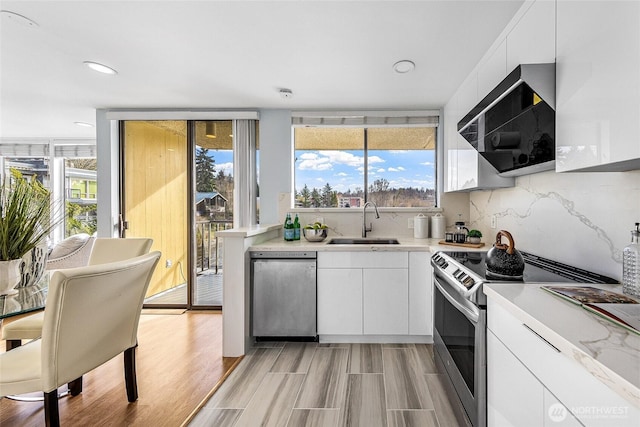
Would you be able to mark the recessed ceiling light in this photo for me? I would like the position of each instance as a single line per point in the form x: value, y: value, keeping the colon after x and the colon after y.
x: 404, y: 66
x: 101, y: 68
x: 19, y: 19
x: 84, y: 124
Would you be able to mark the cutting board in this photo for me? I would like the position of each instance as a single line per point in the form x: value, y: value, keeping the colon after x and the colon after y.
x: 466, y: 245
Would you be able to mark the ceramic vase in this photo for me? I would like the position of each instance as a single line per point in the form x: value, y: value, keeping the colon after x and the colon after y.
x: 9, y: 276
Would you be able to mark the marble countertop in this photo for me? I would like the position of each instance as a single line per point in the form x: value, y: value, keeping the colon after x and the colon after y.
x: 406, y: 244
x: 606, y: 350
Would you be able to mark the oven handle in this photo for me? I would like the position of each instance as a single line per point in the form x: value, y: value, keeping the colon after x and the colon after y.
x: 469, y: 314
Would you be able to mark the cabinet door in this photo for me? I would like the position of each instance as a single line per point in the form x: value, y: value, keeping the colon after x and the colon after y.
x: 514, y: 395
x: 533, y: 39
x: 492, y: 70
x: 420, y: 294
x: 597, y: 85
x: 339, y: 301
x: 385, y: 301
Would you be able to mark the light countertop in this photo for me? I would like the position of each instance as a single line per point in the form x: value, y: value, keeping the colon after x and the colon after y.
x: 606, y: 350
x: 406, y: 244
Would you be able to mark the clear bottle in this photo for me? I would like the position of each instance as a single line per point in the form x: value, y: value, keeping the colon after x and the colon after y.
x: 631, y: 265
x: 288, y: 228
x: 296, y: 228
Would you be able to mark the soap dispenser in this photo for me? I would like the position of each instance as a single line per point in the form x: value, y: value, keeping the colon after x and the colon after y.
x: 631, y: 265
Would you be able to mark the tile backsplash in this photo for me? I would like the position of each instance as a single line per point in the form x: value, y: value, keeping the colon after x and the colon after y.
x: 582, y: 219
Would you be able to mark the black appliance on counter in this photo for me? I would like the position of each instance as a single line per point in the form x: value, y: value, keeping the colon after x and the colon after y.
x: 460, y: 316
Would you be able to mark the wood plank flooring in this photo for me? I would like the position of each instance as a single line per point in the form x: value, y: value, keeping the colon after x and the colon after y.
x: 179, y: 361
x: 309, y: 384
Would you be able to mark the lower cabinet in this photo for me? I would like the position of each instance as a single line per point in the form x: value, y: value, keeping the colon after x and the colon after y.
x: 339, y: 301
x: 515, y: 396
x: 374, y: 293
x: 385, y: 301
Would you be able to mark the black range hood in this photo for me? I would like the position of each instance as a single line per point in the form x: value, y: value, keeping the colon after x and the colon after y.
x: 513, y: 127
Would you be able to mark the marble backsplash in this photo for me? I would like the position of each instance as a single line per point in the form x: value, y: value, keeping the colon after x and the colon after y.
x: 582, y: 219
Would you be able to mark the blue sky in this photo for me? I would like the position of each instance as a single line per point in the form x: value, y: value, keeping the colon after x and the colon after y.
x: 344, y: 170
x: 223, y: 160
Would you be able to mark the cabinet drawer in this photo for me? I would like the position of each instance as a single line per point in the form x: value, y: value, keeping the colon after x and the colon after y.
x: 363, y: 259
x: 591, y: 401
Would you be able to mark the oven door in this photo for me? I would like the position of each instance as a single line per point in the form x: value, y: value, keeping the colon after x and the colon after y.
x: 459, y: 342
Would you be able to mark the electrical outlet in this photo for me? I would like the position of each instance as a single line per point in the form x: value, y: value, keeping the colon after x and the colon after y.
x: 169, y: 263
x: 410, y: 222
x: 494, y: 221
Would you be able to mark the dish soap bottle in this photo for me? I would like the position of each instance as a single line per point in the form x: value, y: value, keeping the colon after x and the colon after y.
x: 631, y: 265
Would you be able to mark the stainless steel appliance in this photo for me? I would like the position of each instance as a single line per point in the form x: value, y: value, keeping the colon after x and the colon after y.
x: 283, y: 289
x: 460, y: 313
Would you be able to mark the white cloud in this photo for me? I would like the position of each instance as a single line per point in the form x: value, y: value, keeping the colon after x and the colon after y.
x: 400, y: 168
x: 308, y: 156
x: 398, y: 151
x: 381, y: 170
x: 342, y: 174
x: 427, y: 164
x: 226, y: 167
x: 392, y: 170
x: 311, y: 161
x: 375, y: 159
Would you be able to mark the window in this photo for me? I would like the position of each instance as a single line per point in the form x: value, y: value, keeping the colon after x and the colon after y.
x: 343, y: 167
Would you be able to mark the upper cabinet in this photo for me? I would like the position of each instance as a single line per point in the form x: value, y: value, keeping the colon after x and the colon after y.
x: 529, y: 39
x: 598, y: 86
x: 533, y: 39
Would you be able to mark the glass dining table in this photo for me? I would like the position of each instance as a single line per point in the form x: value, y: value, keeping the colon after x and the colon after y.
x: 27, y: 299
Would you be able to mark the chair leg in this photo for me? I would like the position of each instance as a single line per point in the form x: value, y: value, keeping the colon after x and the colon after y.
x: 11, y: 344
x: 130, y: 374
x: 51, y: 414
x: 75, y: 387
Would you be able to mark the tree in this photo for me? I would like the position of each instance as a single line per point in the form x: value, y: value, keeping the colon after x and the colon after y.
x: 316, y: 199
x: 205, y: 168
x: 326, y: 195
x: 305, y: 196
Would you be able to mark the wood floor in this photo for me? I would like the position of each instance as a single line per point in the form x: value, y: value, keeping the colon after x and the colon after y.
x: 306, y: 384
x: 179, y: 361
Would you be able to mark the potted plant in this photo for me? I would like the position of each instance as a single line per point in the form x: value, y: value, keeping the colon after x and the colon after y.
x: 474, y: 236
x: 25, y: 222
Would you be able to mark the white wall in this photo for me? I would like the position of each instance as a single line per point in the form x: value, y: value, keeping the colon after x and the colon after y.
x: 276, y: 157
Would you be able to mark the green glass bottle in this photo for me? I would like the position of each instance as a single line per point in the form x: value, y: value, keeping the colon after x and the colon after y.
x: 288, y: 228
x: 296, y: 228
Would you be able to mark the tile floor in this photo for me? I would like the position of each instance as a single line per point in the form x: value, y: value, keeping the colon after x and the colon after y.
x: 309, y: 384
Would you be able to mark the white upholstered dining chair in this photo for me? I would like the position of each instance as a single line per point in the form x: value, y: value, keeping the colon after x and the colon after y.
x: 92, y: 315
x: 104, y: 250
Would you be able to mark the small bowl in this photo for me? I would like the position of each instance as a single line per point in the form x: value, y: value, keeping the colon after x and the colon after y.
x: 314, y: 235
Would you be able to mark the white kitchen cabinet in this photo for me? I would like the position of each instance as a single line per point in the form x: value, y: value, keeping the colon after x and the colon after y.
x: 514, y: 396
x: 374, y: 293
x: 533, y: 38
x: 339, y: 301
x: 598, y: 88
x: 420, y: 294
x: 385, y: 301
x: 572, y: 384
x: 492, y: 70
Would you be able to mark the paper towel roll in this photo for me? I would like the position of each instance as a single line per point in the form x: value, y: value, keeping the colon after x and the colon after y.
x: 421, y: 227
x: 437, y: 226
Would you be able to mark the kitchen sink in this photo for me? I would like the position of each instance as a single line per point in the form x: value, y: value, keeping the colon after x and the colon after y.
x: 362, y: 241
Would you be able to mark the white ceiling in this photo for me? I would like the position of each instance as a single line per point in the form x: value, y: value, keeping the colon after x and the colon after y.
x: 234, y: 54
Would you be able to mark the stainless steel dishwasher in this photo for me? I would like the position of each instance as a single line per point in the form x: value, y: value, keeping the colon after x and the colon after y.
x: 283, y: 288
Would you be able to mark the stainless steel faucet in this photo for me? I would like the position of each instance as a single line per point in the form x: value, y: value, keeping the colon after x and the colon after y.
x: 364, y: 218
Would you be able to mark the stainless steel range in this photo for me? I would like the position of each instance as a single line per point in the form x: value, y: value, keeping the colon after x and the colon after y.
x: 460, y: 316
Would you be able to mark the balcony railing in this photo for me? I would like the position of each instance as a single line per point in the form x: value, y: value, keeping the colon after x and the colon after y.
x: 209, y: 246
